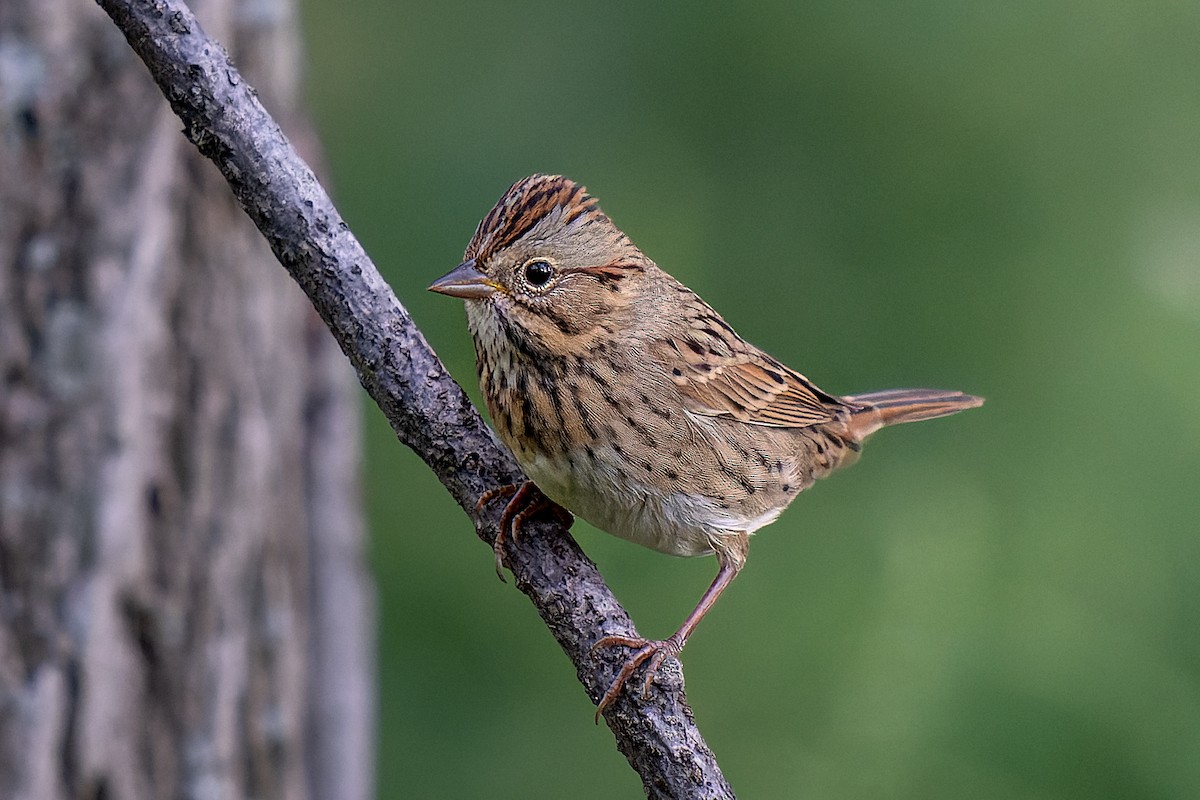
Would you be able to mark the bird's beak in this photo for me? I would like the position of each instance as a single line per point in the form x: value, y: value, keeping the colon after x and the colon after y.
x: 465, y: 281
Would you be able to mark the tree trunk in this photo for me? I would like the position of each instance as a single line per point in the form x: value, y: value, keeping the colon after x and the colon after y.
x: 183, y: 608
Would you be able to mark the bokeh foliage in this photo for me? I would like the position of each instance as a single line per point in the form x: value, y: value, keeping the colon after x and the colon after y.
x: 997, y: 197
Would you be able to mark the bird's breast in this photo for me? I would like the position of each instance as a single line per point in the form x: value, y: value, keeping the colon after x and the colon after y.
x: 601, y: 438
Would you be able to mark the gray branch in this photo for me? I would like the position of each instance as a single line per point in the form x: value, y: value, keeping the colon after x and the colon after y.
x: 427, y: 409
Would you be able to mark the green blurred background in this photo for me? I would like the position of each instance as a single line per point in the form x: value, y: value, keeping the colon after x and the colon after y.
x: 997, y: 197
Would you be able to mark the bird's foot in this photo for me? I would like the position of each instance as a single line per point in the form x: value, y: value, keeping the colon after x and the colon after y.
x: 526, y: 500
x: 643, y: 649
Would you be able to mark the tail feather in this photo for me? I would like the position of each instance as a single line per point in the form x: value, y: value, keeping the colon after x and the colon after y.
x: 893, y: 406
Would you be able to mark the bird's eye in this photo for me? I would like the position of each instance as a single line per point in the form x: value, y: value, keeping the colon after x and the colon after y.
x: 538, y: 272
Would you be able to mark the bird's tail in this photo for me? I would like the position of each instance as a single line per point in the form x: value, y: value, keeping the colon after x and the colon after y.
x: 893, y: 406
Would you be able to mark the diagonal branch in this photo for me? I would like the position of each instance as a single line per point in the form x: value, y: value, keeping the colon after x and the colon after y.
x: 427, y: 409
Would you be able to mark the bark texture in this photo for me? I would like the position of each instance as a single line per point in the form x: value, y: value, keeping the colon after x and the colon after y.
x: 183, y: 609
x: 429, y: 412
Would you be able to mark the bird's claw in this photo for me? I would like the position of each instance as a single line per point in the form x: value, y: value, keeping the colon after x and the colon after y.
x: 643, y: 649
x: 526, y: 499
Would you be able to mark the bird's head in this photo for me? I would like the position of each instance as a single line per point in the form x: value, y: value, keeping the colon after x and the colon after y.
x: 548, y: 270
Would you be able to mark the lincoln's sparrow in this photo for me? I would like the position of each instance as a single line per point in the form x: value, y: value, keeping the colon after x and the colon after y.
x: 631, y: 402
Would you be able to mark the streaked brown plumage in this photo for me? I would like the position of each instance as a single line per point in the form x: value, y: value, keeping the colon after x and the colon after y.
x: 629, y: 401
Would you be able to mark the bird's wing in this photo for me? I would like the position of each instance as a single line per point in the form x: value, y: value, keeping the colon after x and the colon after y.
x: 723, y: 376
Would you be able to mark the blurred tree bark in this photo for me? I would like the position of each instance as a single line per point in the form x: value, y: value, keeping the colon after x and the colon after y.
x: 183, y: 608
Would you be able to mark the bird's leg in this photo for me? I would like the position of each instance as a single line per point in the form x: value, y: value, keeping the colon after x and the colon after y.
x: 657, y: 651
x: 526, y: 500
